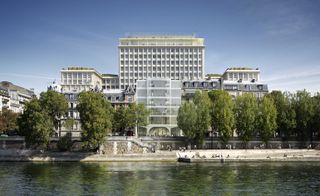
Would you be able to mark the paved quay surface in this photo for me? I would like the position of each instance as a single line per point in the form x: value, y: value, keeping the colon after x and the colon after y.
x: 167, y: 156
x: 249, y: 155
x: 36, y: 156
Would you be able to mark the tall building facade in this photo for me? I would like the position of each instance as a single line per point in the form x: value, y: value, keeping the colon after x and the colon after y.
x: 174, y: 57
x: 162, y: 96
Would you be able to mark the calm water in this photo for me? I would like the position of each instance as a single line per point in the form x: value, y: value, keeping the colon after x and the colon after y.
x: 159, y: 179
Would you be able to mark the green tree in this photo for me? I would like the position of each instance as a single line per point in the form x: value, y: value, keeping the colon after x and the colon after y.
x: 203, y: 106
x: 187, y: 119
x: 222, y: 114
x: 138, y: 116
x: 65, y: 143
x: 55, y: 104
x: 316, y: 117
x: 304, y: 109
x: 246, y: 109
x: 267, y: 116
x: 286, y: 115
x: 8, y: 121
x: 124, y: 118
x: 35, y: 124
x: 95, y: 117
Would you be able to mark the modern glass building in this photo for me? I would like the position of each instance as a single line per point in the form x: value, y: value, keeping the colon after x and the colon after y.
x: 162, y: 96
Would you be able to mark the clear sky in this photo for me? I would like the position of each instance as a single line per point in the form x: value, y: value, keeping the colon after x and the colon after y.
x: 282, y: 38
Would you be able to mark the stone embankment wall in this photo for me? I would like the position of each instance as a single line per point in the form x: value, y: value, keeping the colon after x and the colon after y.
x: 130, y: 145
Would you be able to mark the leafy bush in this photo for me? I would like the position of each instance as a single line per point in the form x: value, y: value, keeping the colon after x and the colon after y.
x: 65, y: 142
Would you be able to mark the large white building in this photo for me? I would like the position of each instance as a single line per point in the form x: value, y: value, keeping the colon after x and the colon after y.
x: 77, y: 79
x: 174, y: 57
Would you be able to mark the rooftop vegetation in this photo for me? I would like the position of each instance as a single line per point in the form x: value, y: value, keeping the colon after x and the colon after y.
x: 78, y: 68
x: 242, y: 68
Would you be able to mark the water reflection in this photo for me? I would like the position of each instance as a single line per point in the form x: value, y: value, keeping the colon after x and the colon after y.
x: 159, y: 179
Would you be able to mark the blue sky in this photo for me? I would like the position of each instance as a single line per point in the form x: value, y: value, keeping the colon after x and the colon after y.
x: 282, y: 38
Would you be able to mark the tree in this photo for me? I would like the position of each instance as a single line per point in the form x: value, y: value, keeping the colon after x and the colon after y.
x: 194, y: 117
x: 8, y: 121
x: 286, y: 115
x: 202, y: 103
x: 55, y: 104
x: 95, y: 117
x: 187, y: 119
x: 120, y: 119
x: 222, y: 114
x: 267, y: 116
x: 138, y: 116
x: 316, y: 117
x: 304, y: 109
x: 35, y: 124
x: 246, y: 109
x: 65, y: 143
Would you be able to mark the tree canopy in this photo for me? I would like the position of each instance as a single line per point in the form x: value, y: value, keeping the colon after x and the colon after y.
x: 55, y: 104
x: 304, y: 108
x: 95, y: 117
x: 246, y: 109
x: 222, y: 115
x: 194, y: 117
x: 187, y: 119
x: 285, y: 113
x: 35, y: 124
x: 8, y: 121
x: 267, y: 116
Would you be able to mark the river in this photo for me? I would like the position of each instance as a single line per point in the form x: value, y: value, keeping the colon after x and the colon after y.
x: 156, y: 178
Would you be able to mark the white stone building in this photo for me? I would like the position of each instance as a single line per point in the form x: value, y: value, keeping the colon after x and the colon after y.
x: 174, y: 57
x: 237, y: 81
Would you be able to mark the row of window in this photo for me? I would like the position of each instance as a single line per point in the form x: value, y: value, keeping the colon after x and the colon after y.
x: 122, y: 63
x: 127, y: 69
x: 163, y: 75
x: 149, y: 56
x: 122, y: 50
x: 76, y: 75
x: 245, y: 76
x: 85, y: 82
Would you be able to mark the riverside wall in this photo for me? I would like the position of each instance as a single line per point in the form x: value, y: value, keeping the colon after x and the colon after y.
x: 131, y: 145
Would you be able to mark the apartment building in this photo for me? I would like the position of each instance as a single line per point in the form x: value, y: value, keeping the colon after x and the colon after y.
x: 17, y: 96
x: 237, y: 81
x: 174, y: 57
x: 77, y: 79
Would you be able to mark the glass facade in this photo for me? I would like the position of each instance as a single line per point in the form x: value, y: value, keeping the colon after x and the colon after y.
x: 162, y: 97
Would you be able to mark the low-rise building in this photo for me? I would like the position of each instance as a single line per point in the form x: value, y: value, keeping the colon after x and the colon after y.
x: 237, y: 81
x: 77, y: 79
x: 241, y: 73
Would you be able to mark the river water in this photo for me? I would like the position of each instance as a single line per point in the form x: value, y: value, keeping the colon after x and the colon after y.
x: 136, y: 178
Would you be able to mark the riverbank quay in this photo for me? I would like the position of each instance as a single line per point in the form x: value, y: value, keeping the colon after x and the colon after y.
x: 249, y: 155
x: 47, y: 156
x: 190, y: 156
